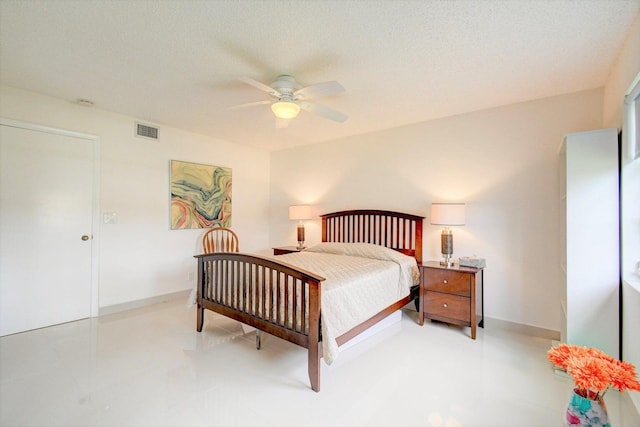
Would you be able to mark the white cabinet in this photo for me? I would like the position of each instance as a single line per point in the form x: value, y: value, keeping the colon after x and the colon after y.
x: 590, y: 252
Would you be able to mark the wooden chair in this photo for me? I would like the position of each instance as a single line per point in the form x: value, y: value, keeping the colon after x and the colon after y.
x: 220, y: 239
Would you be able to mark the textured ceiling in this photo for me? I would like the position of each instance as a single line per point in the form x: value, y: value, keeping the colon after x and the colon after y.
x: 177, y: 62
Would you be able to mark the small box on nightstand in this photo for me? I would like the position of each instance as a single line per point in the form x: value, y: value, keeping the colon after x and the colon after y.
x: 466, y: 261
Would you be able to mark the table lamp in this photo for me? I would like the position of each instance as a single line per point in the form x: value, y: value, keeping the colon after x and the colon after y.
x: 301, y: 213
x: 447, y: 214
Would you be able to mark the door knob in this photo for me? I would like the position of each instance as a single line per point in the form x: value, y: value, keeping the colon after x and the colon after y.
x: 85, y: 237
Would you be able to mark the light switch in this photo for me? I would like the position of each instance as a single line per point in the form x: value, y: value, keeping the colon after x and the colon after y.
x: 110, y: 217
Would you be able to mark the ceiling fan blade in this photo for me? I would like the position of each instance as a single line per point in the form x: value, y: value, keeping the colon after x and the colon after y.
x: 319, y: 89
x: 249, y: 104
x: 259, y: 85
x: 321, y: 110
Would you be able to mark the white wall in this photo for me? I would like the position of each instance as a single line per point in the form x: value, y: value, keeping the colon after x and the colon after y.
x: 623, y: 72
x: 140, y: 257
x: 502, y: 162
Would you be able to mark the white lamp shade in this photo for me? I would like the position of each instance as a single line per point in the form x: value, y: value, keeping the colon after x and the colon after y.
x: 285, y: 109
x: 447, y: 214
x: 300, y: 212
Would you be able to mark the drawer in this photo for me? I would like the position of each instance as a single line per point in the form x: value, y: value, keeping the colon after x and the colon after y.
x: 452, y: 282
x: 447, y: 307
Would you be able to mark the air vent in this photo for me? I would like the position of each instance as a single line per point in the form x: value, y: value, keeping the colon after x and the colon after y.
x: 146, y: 131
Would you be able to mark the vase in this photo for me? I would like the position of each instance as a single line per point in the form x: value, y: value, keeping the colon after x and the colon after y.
x: 586, y: 412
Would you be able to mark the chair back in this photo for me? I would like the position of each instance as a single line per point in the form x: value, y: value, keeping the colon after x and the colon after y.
x: 220, y: 239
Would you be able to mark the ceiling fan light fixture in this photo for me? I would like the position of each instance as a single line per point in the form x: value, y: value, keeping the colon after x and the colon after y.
x: 285, y: 109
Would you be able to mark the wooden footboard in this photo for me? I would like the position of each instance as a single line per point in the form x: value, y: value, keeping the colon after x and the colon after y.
x: 277, y: 298
x: 284, y: 300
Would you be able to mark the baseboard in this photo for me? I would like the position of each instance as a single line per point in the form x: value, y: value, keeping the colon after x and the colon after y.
x: 521, y: 328
x: 117, y: 308
x: 489, y: 322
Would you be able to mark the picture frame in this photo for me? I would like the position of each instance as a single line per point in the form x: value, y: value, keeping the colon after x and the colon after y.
x: 200, y: 195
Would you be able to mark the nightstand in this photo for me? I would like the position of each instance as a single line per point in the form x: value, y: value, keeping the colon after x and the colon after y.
x: 286, y: 250
x: 451, y: 295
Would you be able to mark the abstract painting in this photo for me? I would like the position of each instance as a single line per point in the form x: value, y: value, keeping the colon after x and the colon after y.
x: 200, y: 195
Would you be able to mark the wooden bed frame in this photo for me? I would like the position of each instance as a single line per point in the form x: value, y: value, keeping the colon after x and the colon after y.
x: 284, y: 300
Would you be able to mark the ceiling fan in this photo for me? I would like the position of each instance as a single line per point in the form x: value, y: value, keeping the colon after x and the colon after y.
x: 289, y: 97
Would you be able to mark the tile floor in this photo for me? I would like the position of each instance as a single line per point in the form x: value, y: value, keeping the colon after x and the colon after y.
x: 149, y: 367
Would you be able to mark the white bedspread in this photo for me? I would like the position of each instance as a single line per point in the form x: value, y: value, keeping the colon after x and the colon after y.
x: 361, y: 280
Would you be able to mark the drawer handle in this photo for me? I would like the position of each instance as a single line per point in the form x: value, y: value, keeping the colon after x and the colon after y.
x: 445, y: 281
x: 445, y: 305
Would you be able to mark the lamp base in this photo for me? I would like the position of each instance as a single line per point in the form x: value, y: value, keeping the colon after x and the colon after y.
x: 446, y: 247
x: 447, y: 261
x: 300, y: 236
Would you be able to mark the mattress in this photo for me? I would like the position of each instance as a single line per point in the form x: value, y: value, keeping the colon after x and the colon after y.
x: 361, y: 280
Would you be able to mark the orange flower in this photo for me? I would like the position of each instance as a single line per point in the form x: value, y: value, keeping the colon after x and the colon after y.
x: 589, y: 373
x: 596, y: 352
x: 559, y: 354
x: 623, y: 376
x: 593, y: 371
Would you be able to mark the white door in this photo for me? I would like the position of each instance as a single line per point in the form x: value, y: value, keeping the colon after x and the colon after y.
x: 46, y: 191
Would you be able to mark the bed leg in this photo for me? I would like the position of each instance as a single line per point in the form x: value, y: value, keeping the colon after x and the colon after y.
x: 200, y: 318
x: 314, y: 367
x: 313, y: 345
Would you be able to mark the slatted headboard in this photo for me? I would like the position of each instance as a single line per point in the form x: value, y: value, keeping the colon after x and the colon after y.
x: 395, y: 230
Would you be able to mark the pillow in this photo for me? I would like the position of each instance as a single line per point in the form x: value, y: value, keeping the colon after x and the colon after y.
x: 369, y: 250
x: 364, y: 250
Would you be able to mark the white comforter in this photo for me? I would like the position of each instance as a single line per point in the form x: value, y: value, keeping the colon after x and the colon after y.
x: 361, y: 280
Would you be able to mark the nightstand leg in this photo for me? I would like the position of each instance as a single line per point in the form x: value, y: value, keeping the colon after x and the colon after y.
x: 473, y: 307
x: 481, y: 324
x: 421, y: 306
x: 473, y: 322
